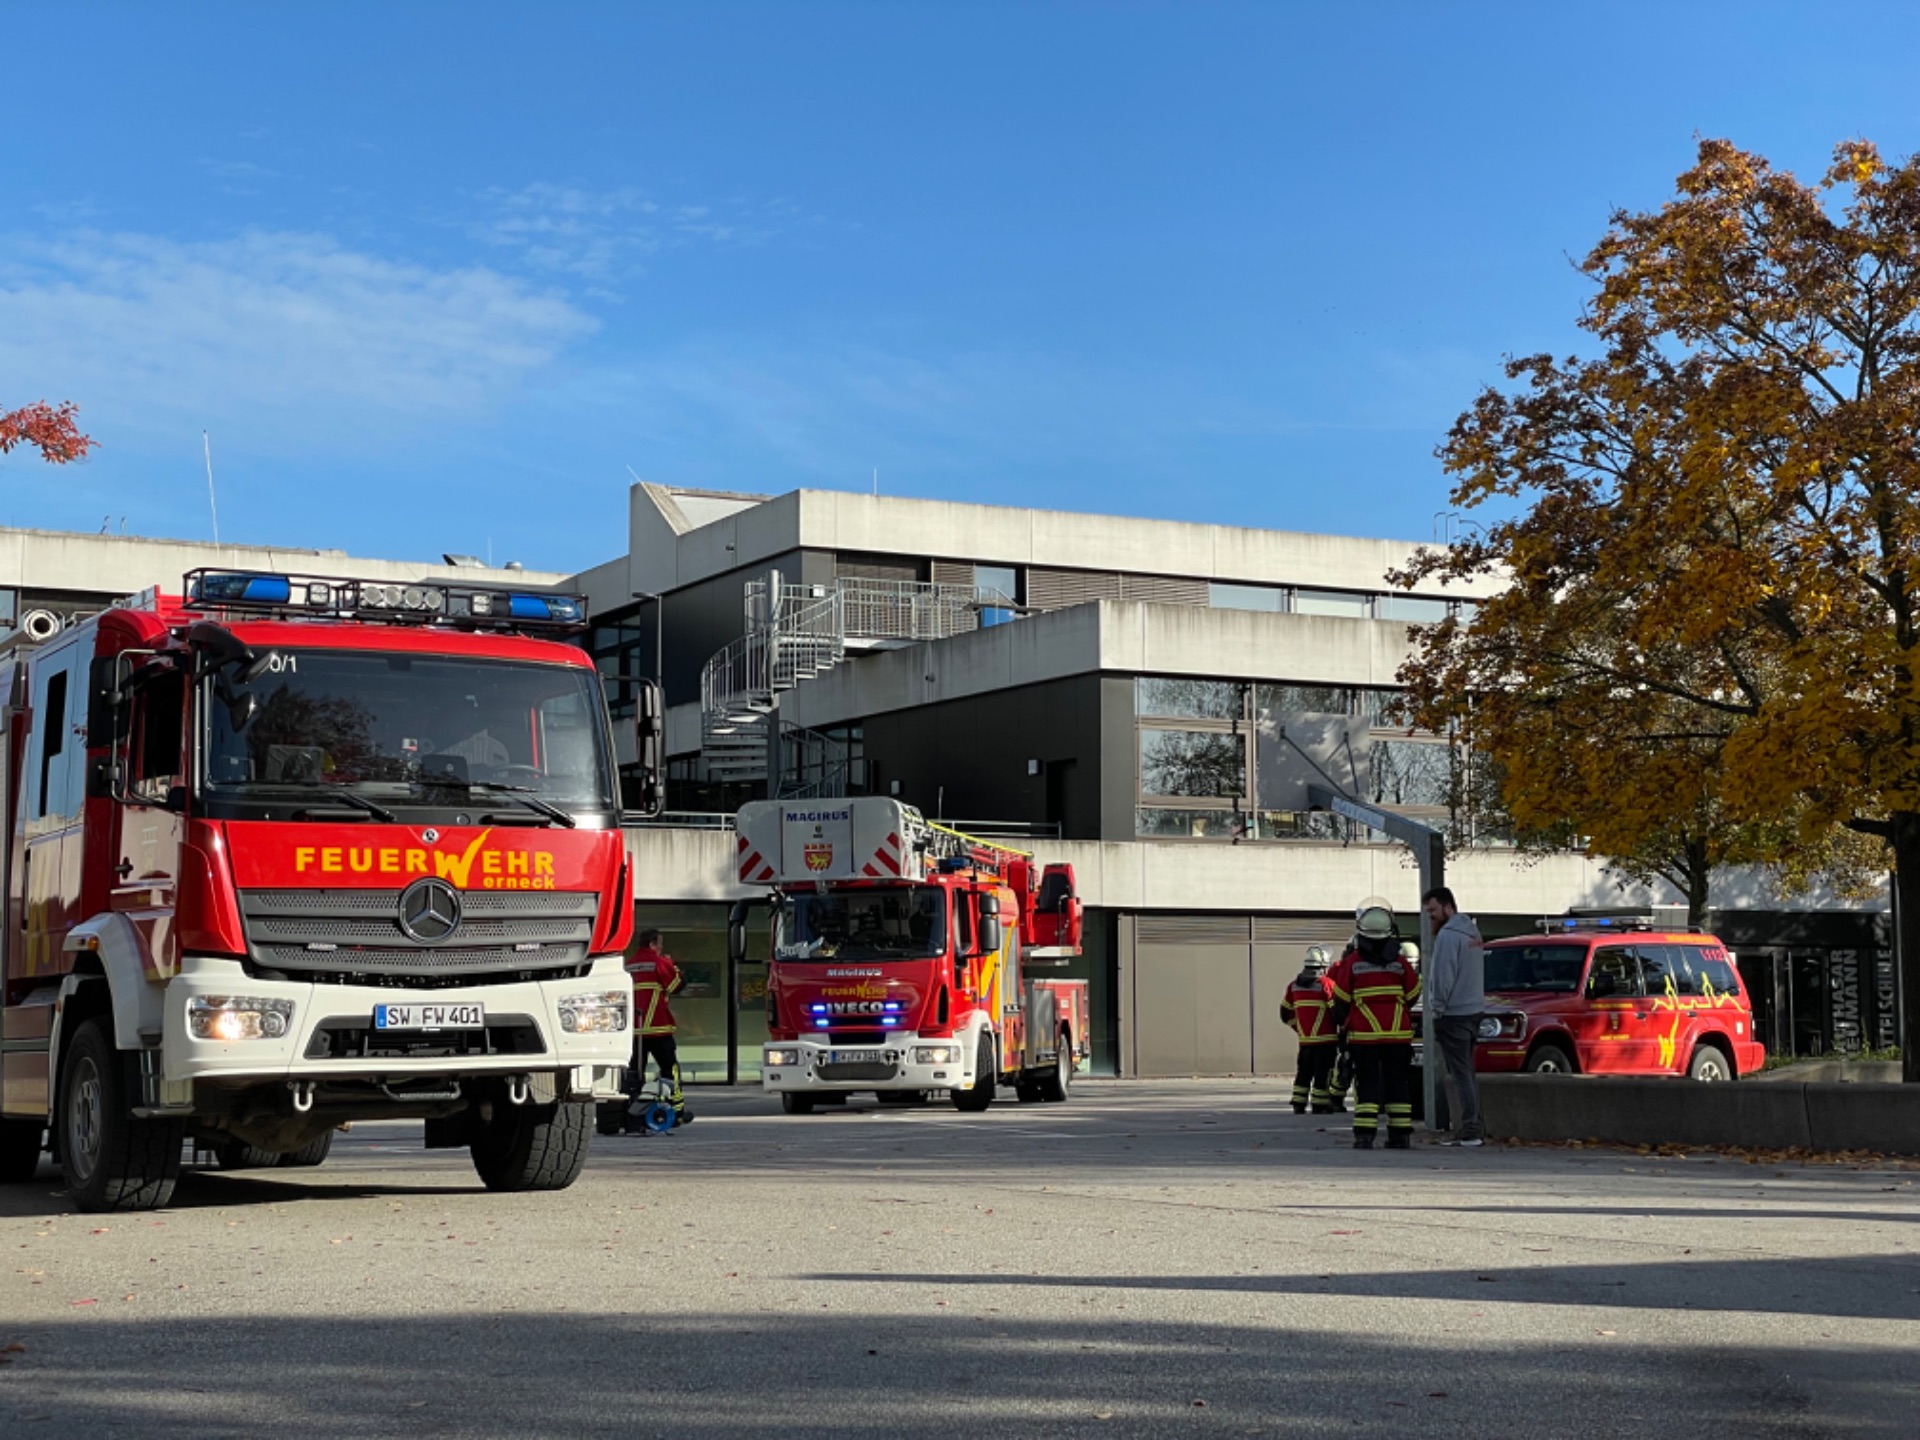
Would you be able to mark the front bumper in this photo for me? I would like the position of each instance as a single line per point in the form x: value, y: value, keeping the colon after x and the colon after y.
x: 527, y: 1011
x: 806, y: 1065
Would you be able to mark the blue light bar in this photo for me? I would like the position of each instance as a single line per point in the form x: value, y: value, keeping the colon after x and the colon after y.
x: 544, y: 607
x: 424, y: 602
x: 241, y: 589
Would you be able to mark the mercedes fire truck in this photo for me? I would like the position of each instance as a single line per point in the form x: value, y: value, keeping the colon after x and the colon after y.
x: 285, y: 852
x: 905, y: 956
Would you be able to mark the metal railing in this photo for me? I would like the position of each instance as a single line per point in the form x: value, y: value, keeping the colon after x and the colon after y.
x: 793, y: 633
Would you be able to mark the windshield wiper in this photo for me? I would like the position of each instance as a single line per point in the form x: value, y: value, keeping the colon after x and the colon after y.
x: 522, y: 794
x: 341, y: 793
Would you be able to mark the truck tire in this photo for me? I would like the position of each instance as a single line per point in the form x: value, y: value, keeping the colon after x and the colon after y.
x: 1055, y: 1083
x: 239, y: 1155
x: 111, y: 1160
x: 19, y: 1150
x: 985, y: 1080
x: 1709, y: 1062
x: 314, y: 1152
x: 531, y: 1147
x: 1549, y: 1059
x: 796, y: 1104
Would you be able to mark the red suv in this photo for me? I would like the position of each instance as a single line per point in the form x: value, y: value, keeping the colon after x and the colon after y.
x: 1607, y: 1002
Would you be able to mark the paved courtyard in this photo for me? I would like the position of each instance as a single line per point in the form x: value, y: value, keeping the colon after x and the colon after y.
x: 1149, y: 1259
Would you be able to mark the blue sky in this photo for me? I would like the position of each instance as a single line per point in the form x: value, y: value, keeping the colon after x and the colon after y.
x: 434, y: 276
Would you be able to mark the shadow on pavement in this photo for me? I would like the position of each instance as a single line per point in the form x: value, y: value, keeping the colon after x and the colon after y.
x: 1865, y: 1287
x: 951, y: 1374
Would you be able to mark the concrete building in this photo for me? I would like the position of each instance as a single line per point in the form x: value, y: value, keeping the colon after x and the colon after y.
x: 1146, y: 700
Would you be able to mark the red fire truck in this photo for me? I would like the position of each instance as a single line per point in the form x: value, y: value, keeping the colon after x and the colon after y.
x: 288, y: 851
x: 904, y: 955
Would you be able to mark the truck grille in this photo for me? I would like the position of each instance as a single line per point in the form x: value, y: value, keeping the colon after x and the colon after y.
x: 352, y: 933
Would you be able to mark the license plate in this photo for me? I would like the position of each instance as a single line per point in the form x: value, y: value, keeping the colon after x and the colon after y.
x: 429, y: 1017
x: 851, y: 1057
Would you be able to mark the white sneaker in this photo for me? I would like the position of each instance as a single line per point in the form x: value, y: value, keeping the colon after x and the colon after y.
x: 1468, y: 1144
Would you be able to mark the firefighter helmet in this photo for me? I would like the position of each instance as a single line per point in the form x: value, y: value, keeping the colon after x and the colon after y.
x: 1373, y: 918
x: 1317, y: 961
x: 1410, y: 951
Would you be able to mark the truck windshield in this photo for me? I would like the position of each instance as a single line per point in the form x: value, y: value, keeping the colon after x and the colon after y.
x: 412, y: 728
x: 1547, y: 968
x: 908, y: 923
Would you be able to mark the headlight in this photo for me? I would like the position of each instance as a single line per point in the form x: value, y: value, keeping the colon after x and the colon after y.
x: 596, y: 1012
x: 936, y: 1054
x: 781, y: 1057
x: 238, y: 1017
x: 1509, y: 1025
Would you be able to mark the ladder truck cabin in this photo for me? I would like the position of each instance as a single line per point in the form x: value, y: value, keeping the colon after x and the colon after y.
x: 285, y: 852
x: 904, y: 955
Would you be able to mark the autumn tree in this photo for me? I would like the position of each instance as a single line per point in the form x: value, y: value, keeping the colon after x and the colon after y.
x: 49, y: 429
x: 1718, y: 519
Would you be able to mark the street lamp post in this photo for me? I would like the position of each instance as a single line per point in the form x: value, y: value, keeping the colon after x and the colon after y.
x: 1430, y: 852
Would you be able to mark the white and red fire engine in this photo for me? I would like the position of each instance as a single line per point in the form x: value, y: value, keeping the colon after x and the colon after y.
x: 290, y: 851
x: 904, y: 957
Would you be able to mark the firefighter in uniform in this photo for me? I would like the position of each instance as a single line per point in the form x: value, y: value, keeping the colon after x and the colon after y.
x: 655, y: 977
x: 1373, y: 991
x: 1307, y: 1007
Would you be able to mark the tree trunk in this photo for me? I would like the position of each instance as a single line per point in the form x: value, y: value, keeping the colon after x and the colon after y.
x: 1699, y: 873
x: 1906, y: 877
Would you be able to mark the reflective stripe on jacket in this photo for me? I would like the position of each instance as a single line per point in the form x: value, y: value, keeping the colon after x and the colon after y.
x: 1379, y: 995
x: 1308, y: 1007
x: 655, y: 977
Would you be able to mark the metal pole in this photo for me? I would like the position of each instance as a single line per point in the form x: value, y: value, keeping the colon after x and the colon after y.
x: 1430, y: 851
x: 1433, y: 871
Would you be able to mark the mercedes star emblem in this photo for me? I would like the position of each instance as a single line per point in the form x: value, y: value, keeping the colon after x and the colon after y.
x: 429, y: 911
x: 429, y: 836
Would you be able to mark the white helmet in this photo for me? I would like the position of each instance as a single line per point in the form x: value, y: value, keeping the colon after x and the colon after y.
x: 1318, y: 961
x: 1373, y: 918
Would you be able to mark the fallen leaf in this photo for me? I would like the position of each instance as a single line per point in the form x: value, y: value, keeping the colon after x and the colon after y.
x: 94, y: 1301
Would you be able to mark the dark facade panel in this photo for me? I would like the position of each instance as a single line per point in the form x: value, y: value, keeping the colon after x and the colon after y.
x: 704, y: 617
x: 968, y: 758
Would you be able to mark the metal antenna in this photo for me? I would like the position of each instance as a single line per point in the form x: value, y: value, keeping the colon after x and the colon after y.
x: 207, y: 445
x: 876, y: 482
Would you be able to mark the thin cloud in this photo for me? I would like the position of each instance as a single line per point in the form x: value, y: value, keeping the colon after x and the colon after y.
x: 295, y: 336
x: 606, y: 235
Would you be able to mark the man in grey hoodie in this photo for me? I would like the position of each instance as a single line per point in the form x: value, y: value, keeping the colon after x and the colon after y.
x: 1455, y: 989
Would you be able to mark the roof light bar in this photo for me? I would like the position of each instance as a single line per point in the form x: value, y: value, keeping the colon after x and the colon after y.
x: 423, y: 602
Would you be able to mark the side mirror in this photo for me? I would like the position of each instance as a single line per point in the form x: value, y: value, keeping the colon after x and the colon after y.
x: 990, y: 936
x: 737, y: 932
x: 106, y: 701
x: 649, y: 746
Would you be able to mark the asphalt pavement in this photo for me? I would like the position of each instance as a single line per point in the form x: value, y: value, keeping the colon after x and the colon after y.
x: 1148, y: 1259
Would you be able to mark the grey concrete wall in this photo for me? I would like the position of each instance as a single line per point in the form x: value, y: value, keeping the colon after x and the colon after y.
x: 1132, y: 876
x: 1883, y: 1118
x: 126, y: 564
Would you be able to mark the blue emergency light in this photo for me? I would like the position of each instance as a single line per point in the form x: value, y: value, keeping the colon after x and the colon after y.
x: 422, y: 602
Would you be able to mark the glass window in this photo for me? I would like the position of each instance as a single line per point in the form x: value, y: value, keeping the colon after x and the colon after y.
x: 1303, y: 825
x: 53, y: 738
x: 1713, y: 972
x: 1246, y: 597
x: 1306, y: 699
x: 1168, y: 824
x: 412, y: 728
x: 1417, y: 609
x: 902, y: 923
x: 1188, y: 699
x: 1663, y: 970
x: 1196, y: 764
x: 1550, y: 969
x: 156, y: 752
x: 996, y: 582
x: 1410, y: 772
x: 1614, y: 973
x: 1330, y: 602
